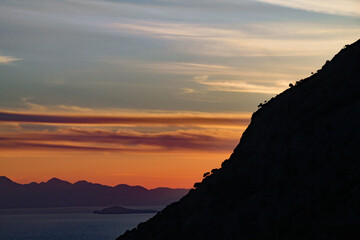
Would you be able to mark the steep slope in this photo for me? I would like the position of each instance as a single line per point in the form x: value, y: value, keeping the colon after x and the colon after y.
x: 294, y: 175
x: 58, y: 193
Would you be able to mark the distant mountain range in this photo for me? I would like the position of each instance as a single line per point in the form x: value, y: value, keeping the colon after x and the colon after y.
x: 59, y: 193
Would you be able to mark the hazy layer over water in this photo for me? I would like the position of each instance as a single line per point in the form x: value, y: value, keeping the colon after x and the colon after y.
x: 66, y: 223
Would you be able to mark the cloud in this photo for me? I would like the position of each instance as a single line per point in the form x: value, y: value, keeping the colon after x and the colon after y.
x: 242, y: 86
x: 8, y: 60
x: 338, y: 7
x: 203, y: 70
x: 32, y: 106
x: 171, y: 30
x: 194, y: 120
x: 187, y: 91
x: 125, y: 141
x: 266, y: 80
x: 261, y: 39
x: 18, y: 145
x: 9, y: 127
x: 188, y: 135
x: 74, y: 108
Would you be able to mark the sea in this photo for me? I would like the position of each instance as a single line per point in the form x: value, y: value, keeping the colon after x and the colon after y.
x: 70, y: 223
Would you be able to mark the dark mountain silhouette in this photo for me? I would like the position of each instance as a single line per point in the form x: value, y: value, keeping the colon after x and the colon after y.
x: 294, y: 175
x: 6, y: 181
x: 59, y: 193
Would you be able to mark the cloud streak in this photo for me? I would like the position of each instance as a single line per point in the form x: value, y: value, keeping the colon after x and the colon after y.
x: 75, y: 139
x: 6, y: 60
x: 274, y: 39
x: 242, y: 86
x: 123, y: 120
x: 19, y: 145
x: 343, y: 7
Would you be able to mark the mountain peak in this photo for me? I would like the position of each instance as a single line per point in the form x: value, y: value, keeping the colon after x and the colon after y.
x: 6, y: 180
x: 82, y: 182
x: 126, y: 187
x: 57, y: 181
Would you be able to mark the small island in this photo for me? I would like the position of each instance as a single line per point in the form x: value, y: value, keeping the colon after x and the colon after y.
x: 121, y: 210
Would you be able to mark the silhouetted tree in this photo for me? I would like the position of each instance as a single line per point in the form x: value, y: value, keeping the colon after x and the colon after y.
x: 225, y: 162
x: 206, y: 174
x: 291, y: 85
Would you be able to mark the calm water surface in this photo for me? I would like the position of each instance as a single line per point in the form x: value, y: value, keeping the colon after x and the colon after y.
x: 67, y: 223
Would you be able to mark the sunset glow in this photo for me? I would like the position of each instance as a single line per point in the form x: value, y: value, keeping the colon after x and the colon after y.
x: 150, y: 93
x: 140, y: 149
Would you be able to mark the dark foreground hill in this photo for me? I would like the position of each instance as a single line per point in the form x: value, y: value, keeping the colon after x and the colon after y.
x: 58, y: 193
x: 294, y: 175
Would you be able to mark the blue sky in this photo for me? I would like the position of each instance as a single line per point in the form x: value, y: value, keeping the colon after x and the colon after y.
x: 177, y: 79
x: 165, y: 55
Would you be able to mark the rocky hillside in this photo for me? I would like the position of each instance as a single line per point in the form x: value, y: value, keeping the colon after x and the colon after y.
x: 294, y: 175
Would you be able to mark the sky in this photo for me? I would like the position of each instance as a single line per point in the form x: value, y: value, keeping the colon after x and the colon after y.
x: 149, y: 92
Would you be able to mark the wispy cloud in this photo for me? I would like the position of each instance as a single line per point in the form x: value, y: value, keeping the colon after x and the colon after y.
x: 32, y: 106
x: 242, y: 86
x: 171, y: 30
x: 246, y: 40
x: 7, y: 144
x: 343, y: 7
x: 8, y: 59
x: 74, y: 108
x: 198, y: 70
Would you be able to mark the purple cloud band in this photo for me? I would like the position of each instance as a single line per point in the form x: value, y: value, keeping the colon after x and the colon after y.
x: 146, y: 120
x: 102, y: 140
